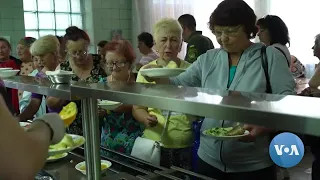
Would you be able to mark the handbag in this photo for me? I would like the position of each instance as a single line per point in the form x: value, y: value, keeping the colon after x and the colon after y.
x: 147, y: 149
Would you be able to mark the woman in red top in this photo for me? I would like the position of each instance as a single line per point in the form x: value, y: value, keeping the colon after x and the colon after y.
x: 6, y: 61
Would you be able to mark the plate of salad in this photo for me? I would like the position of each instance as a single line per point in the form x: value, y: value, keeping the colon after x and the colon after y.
x: 226, y: 133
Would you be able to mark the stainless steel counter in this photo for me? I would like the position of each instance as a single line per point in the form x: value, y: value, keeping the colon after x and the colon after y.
x: 291, y: 113
x: 38, y: 85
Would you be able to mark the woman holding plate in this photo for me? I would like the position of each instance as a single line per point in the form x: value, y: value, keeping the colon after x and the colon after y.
x: 237, y: 66
x: 119, y: 128
x: 178, y: 135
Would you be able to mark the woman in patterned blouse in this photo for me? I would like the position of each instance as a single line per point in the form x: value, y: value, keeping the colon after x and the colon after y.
x: 86, y: 67
x: 119, y: 128
x: 23, y: 49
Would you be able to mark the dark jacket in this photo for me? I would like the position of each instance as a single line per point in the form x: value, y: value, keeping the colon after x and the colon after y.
x: 197, y: 45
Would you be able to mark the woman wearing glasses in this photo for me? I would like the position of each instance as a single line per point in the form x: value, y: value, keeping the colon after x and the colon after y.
x: 119, y: 130
x: 86, y: 67
x: 236, y: 66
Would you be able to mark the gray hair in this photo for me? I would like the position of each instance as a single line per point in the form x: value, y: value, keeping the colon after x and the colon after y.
x: 45, y: 44
x: 318, y: 39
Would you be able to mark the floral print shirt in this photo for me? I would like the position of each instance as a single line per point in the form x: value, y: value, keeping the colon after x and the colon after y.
x: 119, y: 131
x: 96, y: 73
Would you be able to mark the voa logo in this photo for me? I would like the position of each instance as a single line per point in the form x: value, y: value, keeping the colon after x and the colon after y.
x: 293, y: 150
x: 286, y: 150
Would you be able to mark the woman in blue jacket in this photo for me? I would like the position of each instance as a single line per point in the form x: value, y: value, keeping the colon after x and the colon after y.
x: 236, y: 66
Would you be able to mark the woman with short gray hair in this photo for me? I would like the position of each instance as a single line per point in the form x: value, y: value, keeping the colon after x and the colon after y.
x: 178, y: 136
x: 46, y: 49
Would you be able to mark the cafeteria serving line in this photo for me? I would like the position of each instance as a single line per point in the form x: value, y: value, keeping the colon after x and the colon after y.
x: 272, y: 111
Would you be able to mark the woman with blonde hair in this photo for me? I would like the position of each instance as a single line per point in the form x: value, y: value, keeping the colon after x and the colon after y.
x: 178, y: 136
x: 46, y: 49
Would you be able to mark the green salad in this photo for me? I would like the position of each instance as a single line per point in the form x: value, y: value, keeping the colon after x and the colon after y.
x: 220, y: 131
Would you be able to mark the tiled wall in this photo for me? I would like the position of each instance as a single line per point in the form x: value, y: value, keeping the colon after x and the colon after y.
x: 12, y: 21
x: 103, y: 16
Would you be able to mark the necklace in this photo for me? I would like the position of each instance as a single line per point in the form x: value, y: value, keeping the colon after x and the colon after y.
x: 112, y: 79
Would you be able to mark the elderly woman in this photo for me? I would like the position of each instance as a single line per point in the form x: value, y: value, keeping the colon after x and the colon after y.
x: 23, y: 49
x: 274, y: 32
x: 178, y: 137
x: 119, y: 128
x: 46, y: 50
x: 7, y: 61
x: 236, y: 66
x: 86, y: 67
x: 26, y: 96
x: 313, y: 91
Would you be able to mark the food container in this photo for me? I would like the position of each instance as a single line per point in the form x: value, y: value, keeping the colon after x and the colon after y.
x: 8, y: 73
x: 3, y: 69
x: 105, y: 165
x: 60, y: 78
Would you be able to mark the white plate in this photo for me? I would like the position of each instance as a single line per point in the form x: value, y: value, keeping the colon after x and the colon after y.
x: 8, y: 73
x: 53, y: 152
x: 24, y: 125
x: 53, y: 159
x: 3, y: 69
x: 161, y: 72
x: 108, y: 105
x: 83, y: 163
x: 246, y: 132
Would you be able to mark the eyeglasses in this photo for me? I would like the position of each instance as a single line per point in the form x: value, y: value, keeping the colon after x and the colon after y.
x: 229, y: 31
x: 78, y: 53
x: 117, y: 64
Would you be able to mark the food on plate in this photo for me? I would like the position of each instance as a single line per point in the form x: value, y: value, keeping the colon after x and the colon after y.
x: 66, y: 142
x: 103, y: 167
x: 161, y: 63
x: 228, y: 131
x: 172, y: 65
x: 237, y: 130
x: 68, y: 113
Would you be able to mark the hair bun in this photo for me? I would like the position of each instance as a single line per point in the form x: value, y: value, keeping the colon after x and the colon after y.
x: 72, y: 29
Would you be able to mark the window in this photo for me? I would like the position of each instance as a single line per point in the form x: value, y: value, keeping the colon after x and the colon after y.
x: 43, y: 17
x: 302, y: 25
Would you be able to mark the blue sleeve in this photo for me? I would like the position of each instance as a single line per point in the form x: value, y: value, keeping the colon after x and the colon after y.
x: 25, y: 100
x: 281, y: 79
x: 192, y: 76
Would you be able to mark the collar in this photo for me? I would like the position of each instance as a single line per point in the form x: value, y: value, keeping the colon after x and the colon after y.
x: 193, y: 34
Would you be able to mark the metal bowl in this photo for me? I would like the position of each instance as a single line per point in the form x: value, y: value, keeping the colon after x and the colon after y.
x: 60, y: 78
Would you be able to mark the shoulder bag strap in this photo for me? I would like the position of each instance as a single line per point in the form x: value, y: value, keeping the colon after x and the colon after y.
x: 288, y: 60
x: 165, y: 125
x: 265, y: 68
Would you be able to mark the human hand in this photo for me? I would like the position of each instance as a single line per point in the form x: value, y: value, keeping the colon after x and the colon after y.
x: 150, y: 121
x: 254, y: 132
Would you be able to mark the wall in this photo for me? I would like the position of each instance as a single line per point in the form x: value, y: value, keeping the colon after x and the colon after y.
x: 103, y: 16
x: 12, y: 21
